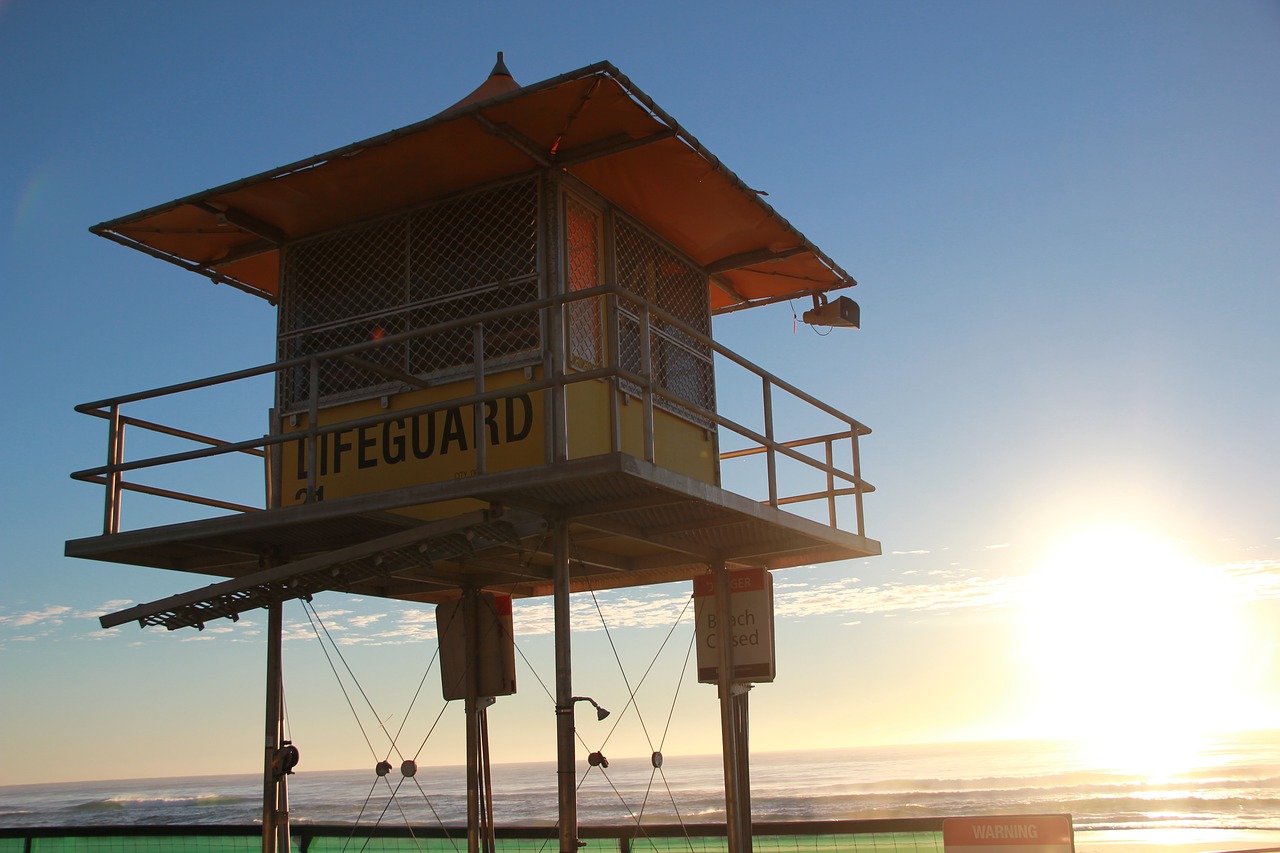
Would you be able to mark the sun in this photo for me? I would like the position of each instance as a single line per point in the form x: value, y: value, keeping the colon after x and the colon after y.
x: 1138, y: 650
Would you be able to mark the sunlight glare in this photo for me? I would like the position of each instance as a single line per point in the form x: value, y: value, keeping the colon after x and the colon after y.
x: 1138, y: 649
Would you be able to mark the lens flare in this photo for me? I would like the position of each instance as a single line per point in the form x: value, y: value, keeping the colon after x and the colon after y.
x: 1138, y: 649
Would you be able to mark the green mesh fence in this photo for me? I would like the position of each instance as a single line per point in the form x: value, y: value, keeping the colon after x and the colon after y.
x: 150, y: 843
x: 881, y: 842
x: 797, y: 838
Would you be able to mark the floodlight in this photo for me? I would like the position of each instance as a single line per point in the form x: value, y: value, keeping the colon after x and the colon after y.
x: 843, y: 313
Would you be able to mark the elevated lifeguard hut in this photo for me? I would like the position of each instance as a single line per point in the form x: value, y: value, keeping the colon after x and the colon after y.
x: 494, y: 347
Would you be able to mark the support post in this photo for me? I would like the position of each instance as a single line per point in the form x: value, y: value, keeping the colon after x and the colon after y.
x: 566, y: 781
x: 486, y: 782
x: 275, y: 802
x: 737, y: 802
x: 471, y: 704
x: 115, y: 456
x: 742, y: 732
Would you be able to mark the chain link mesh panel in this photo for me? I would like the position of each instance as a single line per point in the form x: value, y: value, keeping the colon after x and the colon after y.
x: 455, y: 259
x: 582, y: 239
x: 682, y: 365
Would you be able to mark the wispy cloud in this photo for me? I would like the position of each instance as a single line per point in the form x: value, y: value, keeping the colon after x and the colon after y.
x: 849, y: 597
x: 1254, y: 580
x: 106, y: 607
x: 912, y: 592
x: 52, y: 614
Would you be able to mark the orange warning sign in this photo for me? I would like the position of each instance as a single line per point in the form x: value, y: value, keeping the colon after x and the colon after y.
x: 1001, y: 833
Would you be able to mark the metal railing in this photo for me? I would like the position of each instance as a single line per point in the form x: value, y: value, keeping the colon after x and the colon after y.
x: 650, y: 379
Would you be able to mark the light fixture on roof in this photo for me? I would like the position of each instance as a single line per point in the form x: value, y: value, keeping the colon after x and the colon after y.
x: 843, y: 312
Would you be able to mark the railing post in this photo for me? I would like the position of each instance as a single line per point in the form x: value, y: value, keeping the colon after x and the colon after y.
x: 857, y: 478
x: 831, y: 481
x: 646, y: 370
x: 273, y: 462
x: 478, y: 409
x: 115, y: 455
x: 613, y: 356
x: 771, y: 459
x: 558, y: 345
x: 313, y: 417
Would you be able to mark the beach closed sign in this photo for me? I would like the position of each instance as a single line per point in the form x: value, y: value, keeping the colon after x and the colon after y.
x: 1008, y: 834
x: 750, y: 624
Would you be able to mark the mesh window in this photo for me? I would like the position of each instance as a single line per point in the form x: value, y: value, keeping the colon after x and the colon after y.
x: 582, y: 249
x: 455, y: 259
x: 682, y: 365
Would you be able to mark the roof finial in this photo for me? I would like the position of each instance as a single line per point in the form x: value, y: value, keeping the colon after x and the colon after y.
x: 498, y: 83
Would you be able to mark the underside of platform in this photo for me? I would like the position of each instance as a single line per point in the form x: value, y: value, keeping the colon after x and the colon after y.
x: 630, y: 522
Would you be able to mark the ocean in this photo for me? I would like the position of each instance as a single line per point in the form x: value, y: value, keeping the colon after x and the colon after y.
x: 1233, y: 785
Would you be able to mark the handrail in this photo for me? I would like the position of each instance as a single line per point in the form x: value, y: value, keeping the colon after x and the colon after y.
x: 651, y: 321
x: 340, y: 352
x: 798, y: 442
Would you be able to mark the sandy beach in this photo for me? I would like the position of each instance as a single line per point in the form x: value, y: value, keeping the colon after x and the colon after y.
x: 1176, y: 840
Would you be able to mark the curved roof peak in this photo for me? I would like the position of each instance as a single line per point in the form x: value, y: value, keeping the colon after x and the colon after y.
x: 499, y: 82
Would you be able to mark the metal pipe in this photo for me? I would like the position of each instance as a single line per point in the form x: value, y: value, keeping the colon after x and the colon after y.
x: 553, y: 303
x: 486, y: 783
x: 556, y: 287
x: 185, y: 434
x: 728, y: 735
x: 831, y: 484
x: 477, y: 409
x: 771, y: 458
x: 270, y: 802
x: 565, y: 776
x: 115, y: 455
x: 612, y: 328
x: 313, y: 419
x: 646, y: 370
x: 469, y: 616
x: 857, y: 476
x: 742, y: 731
x: 155, y: 491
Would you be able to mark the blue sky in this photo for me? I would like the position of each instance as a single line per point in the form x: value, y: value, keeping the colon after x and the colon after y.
x: 1063, y: 220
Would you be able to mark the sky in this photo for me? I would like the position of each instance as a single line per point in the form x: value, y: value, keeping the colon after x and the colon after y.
x: 1063, y: 220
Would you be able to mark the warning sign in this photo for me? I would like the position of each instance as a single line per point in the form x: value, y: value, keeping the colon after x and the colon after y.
x: 750, y: 625
x: 1008, y: 834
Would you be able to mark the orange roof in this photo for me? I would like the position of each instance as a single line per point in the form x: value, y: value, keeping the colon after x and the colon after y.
x: 592, y: 123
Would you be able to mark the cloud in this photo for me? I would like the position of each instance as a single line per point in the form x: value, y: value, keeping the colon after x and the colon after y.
x: 935, y: 591
x: 52, y: 615
x: 619, y: 609
x: 1254, y: 580
x: 908, y: 553
x: 104, y: 608
x: 999, y: 546
x: 846, y: 597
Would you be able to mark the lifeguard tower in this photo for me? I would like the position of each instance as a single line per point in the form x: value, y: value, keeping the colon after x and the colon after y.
x: 495, y: 376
